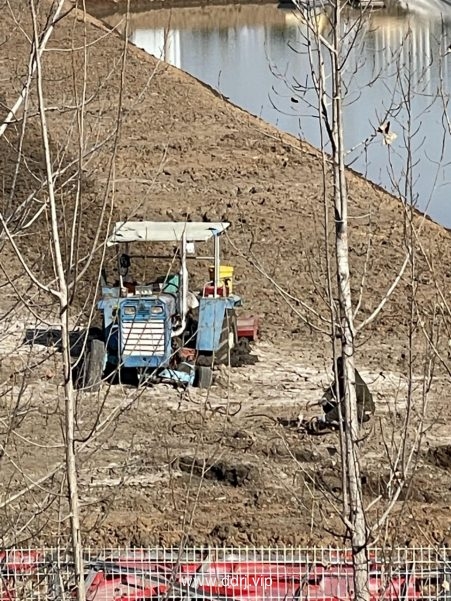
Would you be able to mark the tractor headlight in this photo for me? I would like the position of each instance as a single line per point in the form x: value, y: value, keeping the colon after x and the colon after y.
x: 156, y: 310
x: 129, y: 310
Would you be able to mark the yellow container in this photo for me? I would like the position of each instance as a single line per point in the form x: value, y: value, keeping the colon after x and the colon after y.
x: 225, y: 275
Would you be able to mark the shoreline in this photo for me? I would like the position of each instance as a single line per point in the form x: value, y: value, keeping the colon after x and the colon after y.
x: 103, y: 8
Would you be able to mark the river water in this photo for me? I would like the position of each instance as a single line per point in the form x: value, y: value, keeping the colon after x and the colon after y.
x: 396, y: 69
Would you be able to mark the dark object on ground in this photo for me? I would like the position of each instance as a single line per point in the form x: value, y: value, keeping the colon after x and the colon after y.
x: 333, y: 406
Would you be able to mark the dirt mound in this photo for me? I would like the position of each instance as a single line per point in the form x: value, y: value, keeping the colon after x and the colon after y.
x: 221, y: 471
x: 183, y: 152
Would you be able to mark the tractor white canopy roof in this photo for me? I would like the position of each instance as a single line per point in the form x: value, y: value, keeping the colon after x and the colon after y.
x: 164, y: 231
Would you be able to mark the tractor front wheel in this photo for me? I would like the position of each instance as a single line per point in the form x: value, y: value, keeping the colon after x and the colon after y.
x: 92, y: 365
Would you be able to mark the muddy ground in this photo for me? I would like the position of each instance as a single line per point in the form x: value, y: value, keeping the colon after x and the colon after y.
x: 183, y: 151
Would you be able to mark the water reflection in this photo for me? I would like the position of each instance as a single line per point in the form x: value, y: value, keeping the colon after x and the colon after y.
x: 397, y: 69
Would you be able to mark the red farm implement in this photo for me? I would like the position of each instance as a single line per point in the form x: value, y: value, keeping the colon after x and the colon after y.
x: 136, y: 577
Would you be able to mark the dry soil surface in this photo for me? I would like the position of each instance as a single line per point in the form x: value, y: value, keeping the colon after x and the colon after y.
x: 218, y: 466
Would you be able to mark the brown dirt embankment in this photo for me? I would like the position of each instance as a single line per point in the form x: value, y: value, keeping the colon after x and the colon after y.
x: 184, y: 152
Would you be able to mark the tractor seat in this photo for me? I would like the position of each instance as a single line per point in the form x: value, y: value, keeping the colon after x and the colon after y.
x: 209, y: 290
x: 168, y: 283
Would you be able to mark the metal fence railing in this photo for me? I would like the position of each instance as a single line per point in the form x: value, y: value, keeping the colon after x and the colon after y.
x: 219, y: 574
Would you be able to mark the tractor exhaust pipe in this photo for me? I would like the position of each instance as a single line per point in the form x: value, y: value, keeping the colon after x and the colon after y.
x: 184, y: 289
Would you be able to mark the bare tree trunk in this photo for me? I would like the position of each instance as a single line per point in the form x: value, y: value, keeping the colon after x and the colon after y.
x: 63, y: 301
x: 39, y: 48
x: 356, y: 518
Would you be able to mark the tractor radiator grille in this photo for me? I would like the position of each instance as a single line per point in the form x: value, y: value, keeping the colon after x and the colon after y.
x: 143, y: 338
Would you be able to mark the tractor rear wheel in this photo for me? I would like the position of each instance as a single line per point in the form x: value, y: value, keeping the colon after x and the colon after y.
x: 228, y: 338
x: 92, y: 365
x: 203, y: 377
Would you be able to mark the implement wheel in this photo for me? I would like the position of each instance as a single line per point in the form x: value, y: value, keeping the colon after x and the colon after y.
x: 203, y: 377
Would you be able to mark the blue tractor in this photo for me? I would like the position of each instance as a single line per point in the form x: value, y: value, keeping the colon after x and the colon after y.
x: 161, y: 329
